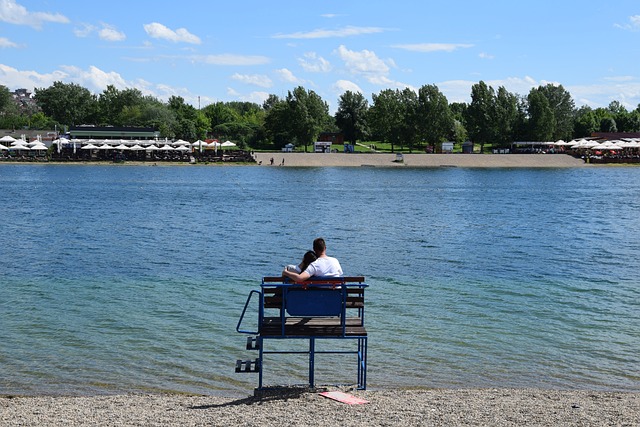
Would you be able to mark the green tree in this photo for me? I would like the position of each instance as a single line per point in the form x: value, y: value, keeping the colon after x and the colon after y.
x: 480, y: 117
x: 385, y: 116
x: 506, y: 117
x: 541, y: 118
x: 434, y: 117
x: 68, y: 104
x: 586, y: 122
x: 608, y: 124
x: 276, y: 121
x: 407, y: 128
x: 351, y: 117
x: 308, y: 114
x: 562, y: 108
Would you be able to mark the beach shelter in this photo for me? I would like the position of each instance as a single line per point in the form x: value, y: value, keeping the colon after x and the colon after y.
x: 199, y: 144
x: 228, y: 144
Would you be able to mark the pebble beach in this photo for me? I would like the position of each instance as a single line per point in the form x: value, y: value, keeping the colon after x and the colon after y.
x: 430, y: 407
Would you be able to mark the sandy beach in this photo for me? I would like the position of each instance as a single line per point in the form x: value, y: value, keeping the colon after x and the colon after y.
x: 421, y: 160
x: 373, y: 160
x: 431, y: 407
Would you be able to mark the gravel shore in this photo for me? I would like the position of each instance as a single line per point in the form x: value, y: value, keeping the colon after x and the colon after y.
x: 430, y: 407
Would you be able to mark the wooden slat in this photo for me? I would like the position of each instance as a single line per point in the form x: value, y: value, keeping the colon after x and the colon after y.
x: 312, y: 326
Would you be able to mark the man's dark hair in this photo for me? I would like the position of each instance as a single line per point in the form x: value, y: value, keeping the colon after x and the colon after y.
x: 319, y: 246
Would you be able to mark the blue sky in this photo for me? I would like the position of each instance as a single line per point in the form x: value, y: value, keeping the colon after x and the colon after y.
x: 208, y: 51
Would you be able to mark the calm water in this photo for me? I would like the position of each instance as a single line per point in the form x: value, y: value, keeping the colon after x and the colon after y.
x: 119, y: 278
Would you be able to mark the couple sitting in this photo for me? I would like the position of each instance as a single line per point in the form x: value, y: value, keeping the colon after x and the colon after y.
x: 314, y: 263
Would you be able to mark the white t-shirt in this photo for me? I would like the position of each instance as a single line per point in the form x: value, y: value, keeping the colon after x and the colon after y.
x: 325, y: 266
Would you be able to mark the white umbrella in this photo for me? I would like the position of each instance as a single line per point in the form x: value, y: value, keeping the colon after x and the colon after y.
x: 228, y: 144
x: 180, y: 143
x: 122, y: 147
x: 7, y: 138
x: 152, y: 148
x: 136, y: 147
x: 19, y: 147
x: 89, y: 147
x: 105, y: 147
x: 39, y: 146
x: 182, y: 148
x: 167, y: 147
x: 2, y: 147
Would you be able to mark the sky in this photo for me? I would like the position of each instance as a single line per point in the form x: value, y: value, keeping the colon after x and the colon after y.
x: 211, y: 51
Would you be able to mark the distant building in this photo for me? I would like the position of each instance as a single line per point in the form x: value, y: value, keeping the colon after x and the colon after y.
x: 25, y: 102
x: 332, y: 137
x: 113, y: 132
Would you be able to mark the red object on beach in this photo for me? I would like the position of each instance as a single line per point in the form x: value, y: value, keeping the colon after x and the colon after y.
x: 343, y: 397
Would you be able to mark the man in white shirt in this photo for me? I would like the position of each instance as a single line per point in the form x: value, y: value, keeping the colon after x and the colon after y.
x: 324, y: 266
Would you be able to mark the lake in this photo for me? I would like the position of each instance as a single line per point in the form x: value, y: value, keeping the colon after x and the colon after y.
x: 132, y: 278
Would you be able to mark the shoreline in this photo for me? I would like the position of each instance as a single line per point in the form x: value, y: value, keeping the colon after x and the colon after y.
x: 429, y: 407
x: 421, y: 160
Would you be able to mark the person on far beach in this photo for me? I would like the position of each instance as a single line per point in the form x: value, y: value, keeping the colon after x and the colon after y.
x: 324, y: 266
x: 307, y: 259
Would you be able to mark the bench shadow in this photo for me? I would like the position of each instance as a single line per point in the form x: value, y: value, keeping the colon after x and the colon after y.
x: 266, y: 395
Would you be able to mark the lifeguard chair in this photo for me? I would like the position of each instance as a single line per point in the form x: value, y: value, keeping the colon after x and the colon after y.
x: 317, y: 309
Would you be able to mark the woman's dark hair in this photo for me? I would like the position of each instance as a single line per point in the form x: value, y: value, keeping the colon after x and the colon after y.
x: 307, y: 259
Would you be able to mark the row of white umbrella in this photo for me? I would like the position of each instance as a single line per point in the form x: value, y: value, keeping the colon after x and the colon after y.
x: 134, y: 144
x: 110, y: 144
x: 20, y: 144
x: 599, y: 145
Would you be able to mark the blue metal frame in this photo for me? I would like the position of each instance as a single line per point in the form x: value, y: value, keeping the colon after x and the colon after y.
x: 328, y: 306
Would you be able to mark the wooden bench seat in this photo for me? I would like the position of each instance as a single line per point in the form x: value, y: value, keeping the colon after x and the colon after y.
x: 312, y: 326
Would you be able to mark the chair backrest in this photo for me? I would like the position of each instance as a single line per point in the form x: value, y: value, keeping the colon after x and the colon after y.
x: 314, y: 302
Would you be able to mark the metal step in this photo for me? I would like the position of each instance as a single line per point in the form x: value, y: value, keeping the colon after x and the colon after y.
x: 252, y: 343
x: 247, y: 366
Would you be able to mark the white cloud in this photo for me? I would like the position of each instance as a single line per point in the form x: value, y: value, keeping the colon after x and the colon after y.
x: 110, y: 33
x: 484, y: 55
x: 94, y: 78
x: 84, y: 30
x: 432, y: 47
x: 5, y: 42
x: 230, y: 59
x: 106, y: 32
x: 287, y: 76
x: 323, y: 34
x: 314, y: 63
x: 341, y: 86
x: 365, y: 63
x: 258, y: 96
x: 253, y: 79
x: 632, y: 25
x: 13, y: 13
x: 28, y: 79
x: 159, y: 31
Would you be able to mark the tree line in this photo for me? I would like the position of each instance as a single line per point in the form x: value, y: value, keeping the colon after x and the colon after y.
x: 402, y: 118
